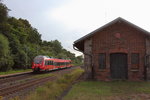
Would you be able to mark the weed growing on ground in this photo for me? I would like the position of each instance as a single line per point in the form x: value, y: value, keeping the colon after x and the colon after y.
x: 114, y: 90
x: 51, y: 90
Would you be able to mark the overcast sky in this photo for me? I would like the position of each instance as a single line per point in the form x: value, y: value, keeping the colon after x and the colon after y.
x: 68, y: 20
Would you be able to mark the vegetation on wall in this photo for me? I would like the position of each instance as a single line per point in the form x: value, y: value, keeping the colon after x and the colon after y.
x: 20, y: 43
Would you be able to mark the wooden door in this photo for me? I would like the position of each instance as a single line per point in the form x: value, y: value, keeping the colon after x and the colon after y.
x: 118, y: 66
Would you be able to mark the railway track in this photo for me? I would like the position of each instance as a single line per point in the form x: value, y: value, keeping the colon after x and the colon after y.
x: 18, y: 87
x: 20, y: 76
x: 12, y: 78
x: 14, y: 75
x: 11, y: 89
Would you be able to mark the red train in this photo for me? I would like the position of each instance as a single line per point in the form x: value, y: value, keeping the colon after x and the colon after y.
x: 44, y: 63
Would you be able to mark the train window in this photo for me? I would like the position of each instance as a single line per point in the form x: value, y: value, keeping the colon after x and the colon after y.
x: 54, y: 63
x: 50, y: 62
x: 46, y: 62
x: 38, y: 60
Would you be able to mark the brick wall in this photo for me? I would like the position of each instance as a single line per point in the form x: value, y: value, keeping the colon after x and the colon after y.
x: 147, y: 58
x: 118, y: 38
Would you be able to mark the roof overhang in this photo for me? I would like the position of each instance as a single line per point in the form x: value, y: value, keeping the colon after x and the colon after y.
x: 79, y: 45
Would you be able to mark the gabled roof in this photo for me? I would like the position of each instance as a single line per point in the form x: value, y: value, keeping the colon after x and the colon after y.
x: 81, y: 40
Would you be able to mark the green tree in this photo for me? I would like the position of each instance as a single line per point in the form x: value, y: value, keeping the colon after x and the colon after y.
x: 79, y: 60
x: 3, y: 12
x: 6, y: 60
x: 56, y: 46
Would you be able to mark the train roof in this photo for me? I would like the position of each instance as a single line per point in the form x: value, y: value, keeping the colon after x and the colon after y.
x: 58, y: 60
x: 53, y: 59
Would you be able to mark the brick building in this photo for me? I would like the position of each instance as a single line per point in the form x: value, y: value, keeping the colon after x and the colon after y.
x: 117, y: 50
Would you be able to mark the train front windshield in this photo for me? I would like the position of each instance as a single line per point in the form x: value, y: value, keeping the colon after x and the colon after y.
x: 37, y: 60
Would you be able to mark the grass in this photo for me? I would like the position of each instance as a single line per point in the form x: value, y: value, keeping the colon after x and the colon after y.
x: 15, y: 71
x: 51, y: 90
x: 92, y: 90
x: 43, y: 75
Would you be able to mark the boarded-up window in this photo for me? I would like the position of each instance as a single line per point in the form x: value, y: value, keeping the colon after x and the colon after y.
x: 135, y: 60
x: 102, y: 61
